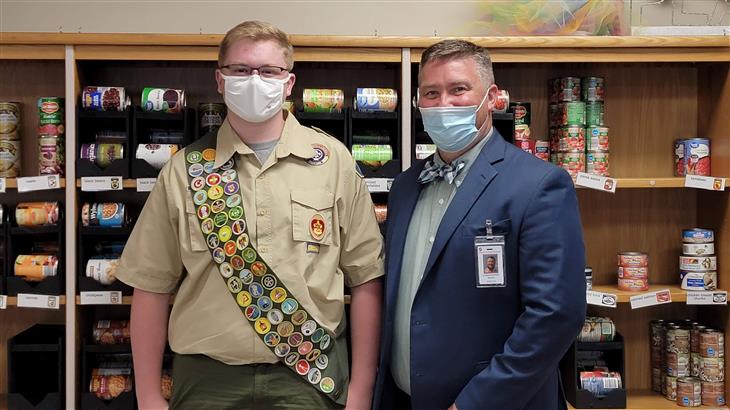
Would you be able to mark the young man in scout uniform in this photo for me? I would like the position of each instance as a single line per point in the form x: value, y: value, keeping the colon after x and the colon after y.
x: 256, y: 231
x: 478, y: 196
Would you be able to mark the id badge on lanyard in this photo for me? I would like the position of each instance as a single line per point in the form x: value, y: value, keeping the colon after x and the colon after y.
x: 489, y: 255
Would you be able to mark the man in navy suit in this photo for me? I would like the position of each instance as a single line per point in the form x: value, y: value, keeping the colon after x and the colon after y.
x: 456, y: 336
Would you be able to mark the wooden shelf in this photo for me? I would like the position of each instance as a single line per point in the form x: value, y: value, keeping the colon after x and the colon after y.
x: 674, y: 182
x: 130, y: 183
x: 13, y: 301
x: 32, y: 52
x: 678, y: 295
x: 12, y: 183
x: 649, y: 400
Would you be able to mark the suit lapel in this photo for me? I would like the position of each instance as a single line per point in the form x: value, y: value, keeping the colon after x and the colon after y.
x: 480, y: 175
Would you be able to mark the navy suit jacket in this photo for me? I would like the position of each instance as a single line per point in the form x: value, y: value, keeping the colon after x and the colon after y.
x: 490, y: 348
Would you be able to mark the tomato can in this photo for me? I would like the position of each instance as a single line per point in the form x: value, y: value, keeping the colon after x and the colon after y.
x: 521, y: 111
x: 679, y: 165
x: 572, y: 138
x: 323, y: 100
x: 573, y: 162
x: 163, y: 99
x: 51, y: 116
x: 104, y: 214
x: 554, y: 115
x: 712, y: 343
x: 502, y: 102
x: 375, y: 100
x: 689, y: 392
x: 597, y: 139
x: 565, y: 89
x: 697, y: 156
x: 36, y: 213
x: 522, y: 132
x: 51, y: 158
x: 593, y: 88
x: 597, y: 163
x: 110, y: 332
x: 10, y: 158
x: 10, y: 118
x: 527, y: 145
x: 35, y: 268
x: 713, y: 394
x: 104, y: 98
x: 542, y: 149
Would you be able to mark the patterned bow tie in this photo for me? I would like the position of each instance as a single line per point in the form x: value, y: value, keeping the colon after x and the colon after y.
x: 448, y: 172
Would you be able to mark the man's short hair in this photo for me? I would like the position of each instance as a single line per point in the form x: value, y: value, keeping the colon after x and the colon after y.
x: 257, y: 31
x: 458, y: 49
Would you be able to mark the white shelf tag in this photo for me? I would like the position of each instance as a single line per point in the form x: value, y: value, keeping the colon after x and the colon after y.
x: 38, y: 301
x: 41, y: 183
x: 600, y: 183
x: 643, y: 300
x: 101, y: 298
x: 379, y: 184
x: 2, y: 185
x: 3, y: 301
x: 145, y: 184
x: 718, y: 297
x: 601, y: 299
x: 700, y: 182
x: 96, y: 184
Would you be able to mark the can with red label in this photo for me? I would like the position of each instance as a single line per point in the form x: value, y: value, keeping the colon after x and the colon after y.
x: 542, y: 149
x: 521, y: 111
x: 597, y: 139
x: 51, y: 116
x: 697, y: 156
x: 51, y: 158
x: 573, y: 162
x: 593, y: 88
x: 565, y: 89
x: 104, y: 99
x: 502, y: 102
x: 633, y: 259
x: 572, y: 138
x: 689, y: 392
x: 713, y: 394
x: 679, y: 166
x: 526, y: 145
x: 522, y: 132
x: 597, y: 164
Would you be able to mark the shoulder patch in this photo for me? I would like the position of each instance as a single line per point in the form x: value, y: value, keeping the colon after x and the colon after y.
x: 321, y: 155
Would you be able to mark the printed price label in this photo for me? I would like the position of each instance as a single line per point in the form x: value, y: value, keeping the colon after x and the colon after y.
x: 30, y: 300
x: 643, y: 300
x: 41, y: 183
x: 2, y: 185
x: 145, y: 184
x: 718, y: 297
x: 101, y: 298
x: 700, y: 182
x: 96, y: 184
x: 596, y: 182
x: 3, y: 301
x: 379, y: 184
x: 601, y: 299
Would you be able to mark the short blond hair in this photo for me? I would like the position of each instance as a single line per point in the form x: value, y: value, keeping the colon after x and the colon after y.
x: 257, y: 31
x: 455, y: 49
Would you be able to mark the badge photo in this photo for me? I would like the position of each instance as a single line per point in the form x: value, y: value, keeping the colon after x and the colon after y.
x: 490, y: 269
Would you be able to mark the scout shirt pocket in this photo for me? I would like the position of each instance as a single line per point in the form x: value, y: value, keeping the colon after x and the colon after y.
x: 311, y: 212
x: 197, y: 241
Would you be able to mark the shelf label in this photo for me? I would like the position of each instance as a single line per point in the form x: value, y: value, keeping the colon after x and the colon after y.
x: 96, y: 184
x: 708, y: 297
x: 3, y: 302
x: 700, y: 182
x: 597, y: 182
x: 601, y: 299
x: 2, y: 185
x: 643, y: 300
x: 145, y: 184
x: 38, y: 301
x: 379, y: 184
x: 101, y: 298
x: 41, y: 183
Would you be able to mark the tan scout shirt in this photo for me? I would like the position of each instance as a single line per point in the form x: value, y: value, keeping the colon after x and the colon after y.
x: 167, y: 251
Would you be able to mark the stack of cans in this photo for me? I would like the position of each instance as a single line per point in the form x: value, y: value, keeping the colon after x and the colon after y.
x: 633, y: 271
x: 51, y: 130
x: 578, y: 135
x: 712, y: 366
x: 698, y: 263
x: 523, y: 136
x: 10, y: 153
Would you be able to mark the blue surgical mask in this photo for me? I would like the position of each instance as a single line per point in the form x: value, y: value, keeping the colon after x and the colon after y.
x: 451, y: 128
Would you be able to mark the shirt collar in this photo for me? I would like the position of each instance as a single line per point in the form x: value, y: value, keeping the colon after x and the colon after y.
x: 291, y: 142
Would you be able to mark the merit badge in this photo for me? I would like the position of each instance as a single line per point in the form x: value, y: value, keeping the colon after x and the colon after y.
x: 259, y: 269
x: 322, y: 361
x: 197, y: 183
x: 213, y: 241
x: 195, y: 170
x: 272, y: 339
x: 215, y: 192
x: 299, y: 317
x: 228, y: 165
x: 226, y: 270
x: 321, y: 155
x: 206, y: 226
x: 309, y: 327
x: 256, y: 290
x: 218, y: 206
x: 302, y: 367
x: 252, y: 312
x: 275, y: 316
x: 242, y: 242
x: 325, y: 343
x: 249, y: 255
x: 265, y: 304
x: 295, y: 339
x: 237, y: 262
x: 236, y: 212
x: 218, y: 255
x: 313, y: 355
x: 317, y: 335
x: 209, y: 167
x: 230, y: 248
x: 203, y: 211
x: 224, y: 234
x: 314, y: 376
x: 246, y: 276
x: 285, y: 329
x: 233, y: 200
x: 291, y: 359
x: 317, y: 227
x: 194, y: 157
x: 219, y: 220
x: 231, y: 188
x: 228, y: 175
x: 238, y: 226
x: 305, y: 348
x: 269, y: 282
x: 200, y: 197
x: 327, y: 385
x: 262, y: 325
x: 282, y: 349
x: 213, y: 179
x: 234, y: 284
x: 209, y: 154
x: 243, y: 298
x: 289, y: 306
x: 278, y: 294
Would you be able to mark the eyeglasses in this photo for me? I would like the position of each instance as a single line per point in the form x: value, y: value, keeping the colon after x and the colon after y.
x: 242, y: 70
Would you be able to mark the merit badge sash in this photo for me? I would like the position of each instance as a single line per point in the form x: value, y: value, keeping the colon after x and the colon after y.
x: 298, y: 340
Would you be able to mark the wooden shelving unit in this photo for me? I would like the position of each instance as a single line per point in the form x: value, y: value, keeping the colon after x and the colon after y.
x: 657, y: 89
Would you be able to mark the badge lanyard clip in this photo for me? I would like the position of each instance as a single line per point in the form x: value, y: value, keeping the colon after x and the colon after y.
x: 490, y: 255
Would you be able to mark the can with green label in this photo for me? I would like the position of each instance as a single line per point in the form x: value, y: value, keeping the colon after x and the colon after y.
x: 51, y: 115
x: 372, y: 154
x: 594, y: 114
x: 572, y: 113
x: 163, y: 99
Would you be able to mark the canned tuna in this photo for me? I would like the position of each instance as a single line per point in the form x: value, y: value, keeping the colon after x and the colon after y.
x: 102, y: 270
x: 698, y: 280
x: 633, y: 259
x: 698, y: 249
x: 633, y: 285
x: 698, y: 235
x: 697, y: 263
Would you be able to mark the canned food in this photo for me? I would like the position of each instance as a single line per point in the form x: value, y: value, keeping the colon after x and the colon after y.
x: 110, y: 386
x: 10, y: 156
x: 102, y: 270
x: 698, y: 249
x: 35, y: 268
x: 163, y: 99
x: 600, y: 383
x: 597, y: 329
x: 51, y: 158
x: 678, y: 364
x: 694, y: 338
x: 553, y: 116
x: 633, y: 273
x: 656, y: 357
x: 9, y: 117
x: 51, y: 116
x: 697, y: 156
x: 657, y: 333
x: 698, y: 235
x: 694, y: 364
x: 593, y: 88
x: 712, y: 343
x: 501, y: 104
x: 521, y: 111
x: 697, y: 263
x: 633, y: 285
x: 522, y: 132
x: 211, y: 117
x: 36, y: 213
x: 689, y: 392
x: 572, y: 138
x: 633, y: 259
x: 527, y: 145
x: 573, y: 162
x: 323, y: 100
x: 572, y: 113
x: 597, y: 139
x: 713, y: 393
x: 594, y: 114
x: 656, y: 380
x: 104, y: 99
x: 677, y: 339
x: 423, y: 151
x: 712, y: 369
x: 102, y: 154
x: 156, y: 155
x: 542, y: 149
x: 679, y: 165
x: 698, y: 280
x: 597, y: 163
x: 381, y: 212
x: 589, y: 277
x: 375, y: 100
x: 111, y: 332
x: 670, y: 387
x: 104, y: 214
x: 565, y: 89
x: 375, y: 155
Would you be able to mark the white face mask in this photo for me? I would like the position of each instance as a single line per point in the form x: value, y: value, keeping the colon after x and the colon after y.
x: 254, y: 98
